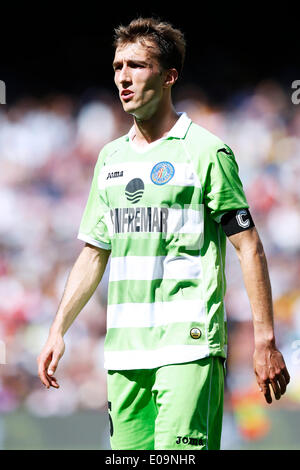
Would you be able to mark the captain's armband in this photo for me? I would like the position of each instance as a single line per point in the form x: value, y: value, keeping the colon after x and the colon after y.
x: 236, y: 221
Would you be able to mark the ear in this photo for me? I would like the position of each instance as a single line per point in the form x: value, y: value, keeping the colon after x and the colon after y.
x: 171, y: 77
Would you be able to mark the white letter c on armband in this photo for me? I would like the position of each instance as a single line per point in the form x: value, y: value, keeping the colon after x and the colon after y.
x: 239, y: 217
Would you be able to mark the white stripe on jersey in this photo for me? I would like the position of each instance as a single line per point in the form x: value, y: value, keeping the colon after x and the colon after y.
x: 155, y: 267
x: 148, y: 315
x: 184, y: 175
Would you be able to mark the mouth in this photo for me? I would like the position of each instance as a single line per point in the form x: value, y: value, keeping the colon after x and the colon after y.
x: 126, y: 95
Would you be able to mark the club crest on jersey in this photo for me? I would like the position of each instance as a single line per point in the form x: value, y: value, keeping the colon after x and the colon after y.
x: 162, y: 172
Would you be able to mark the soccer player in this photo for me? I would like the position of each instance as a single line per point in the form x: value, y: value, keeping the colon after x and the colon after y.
x: 162, y: 201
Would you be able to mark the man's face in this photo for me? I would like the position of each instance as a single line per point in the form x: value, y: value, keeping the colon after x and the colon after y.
x: 139, y: 78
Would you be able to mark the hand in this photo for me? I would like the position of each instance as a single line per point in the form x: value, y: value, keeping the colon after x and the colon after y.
x: 270, y: 371
x: 48, y: 360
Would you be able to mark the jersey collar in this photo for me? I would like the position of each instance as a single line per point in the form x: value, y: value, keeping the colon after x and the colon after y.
x: 178, y: 131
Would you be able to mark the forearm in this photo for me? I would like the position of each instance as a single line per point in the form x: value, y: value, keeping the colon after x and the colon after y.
x: 83, y: 280
x: 269, y: 365
x: 257, y: 282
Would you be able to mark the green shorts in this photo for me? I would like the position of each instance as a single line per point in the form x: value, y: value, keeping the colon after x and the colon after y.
x: 177, y: 406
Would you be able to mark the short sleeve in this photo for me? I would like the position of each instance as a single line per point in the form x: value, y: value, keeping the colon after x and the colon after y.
x: 93, y: 227
x: 223, y: 189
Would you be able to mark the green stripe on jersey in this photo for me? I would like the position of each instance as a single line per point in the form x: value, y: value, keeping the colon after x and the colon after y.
x: 158, y: 210
x: 146, y: 246
x: 153, y: 338
x: 157, y: 290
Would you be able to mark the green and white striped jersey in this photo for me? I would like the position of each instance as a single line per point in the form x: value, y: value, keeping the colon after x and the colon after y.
x: 158, y: 210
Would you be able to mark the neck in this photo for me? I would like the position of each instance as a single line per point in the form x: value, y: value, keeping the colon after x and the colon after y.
x: 156, y: 127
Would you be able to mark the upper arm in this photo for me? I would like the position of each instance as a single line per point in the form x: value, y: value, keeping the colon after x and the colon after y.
x: 97, y: 250
x: 99, y: 254
x: 223, y: 189
x: 94, y: 225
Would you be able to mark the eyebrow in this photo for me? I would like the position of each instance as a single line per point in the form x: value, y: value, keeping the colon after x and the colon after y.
x: 130, y: 62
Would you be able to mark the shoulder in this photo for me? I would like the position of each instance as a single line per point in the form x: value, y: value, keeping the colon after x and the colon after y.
x: 208, y: 152
x: 204, y: 147
x: 202, y: 140
x: 111, y: 148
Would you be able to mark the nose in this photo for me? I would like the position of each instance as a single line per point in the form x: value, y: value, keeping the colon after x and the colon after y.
x: 124, y: 75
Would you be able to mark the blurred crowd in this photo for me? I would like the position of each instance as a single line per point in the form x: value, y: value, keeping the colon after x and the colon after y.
x: 48, y: 149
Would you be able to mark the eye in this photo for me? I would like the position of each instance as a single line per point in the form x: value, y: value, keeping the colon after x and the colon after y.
x: 117, y: 67
x: 136, y: 65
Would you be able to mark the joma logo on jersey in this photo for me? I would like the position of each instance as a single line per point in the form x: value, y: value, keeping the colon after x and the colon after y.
x: 140, y: 219
x: 114, y: 174
x: 192, y: 441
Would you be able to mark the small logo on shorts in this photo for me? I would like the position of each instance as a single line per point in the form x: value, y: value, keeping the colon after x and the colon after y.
x: 162, y: 172
x: 195, y: 333
x: 192, y: 441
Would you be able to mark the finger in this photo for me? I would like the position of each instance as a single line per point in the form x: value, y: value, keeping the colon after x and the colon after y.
x: 286, y: 375
x: 42, y: 373
x: 53, y: 365
x: 276, y: 389
x: 282, y: 383
x: 264, y: 388
x: 51, y: 377
x: 53, y: 382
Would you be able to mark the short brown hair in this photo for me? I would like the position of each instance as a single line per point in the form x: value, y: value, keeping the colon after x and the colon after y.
x: 170, y: 41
